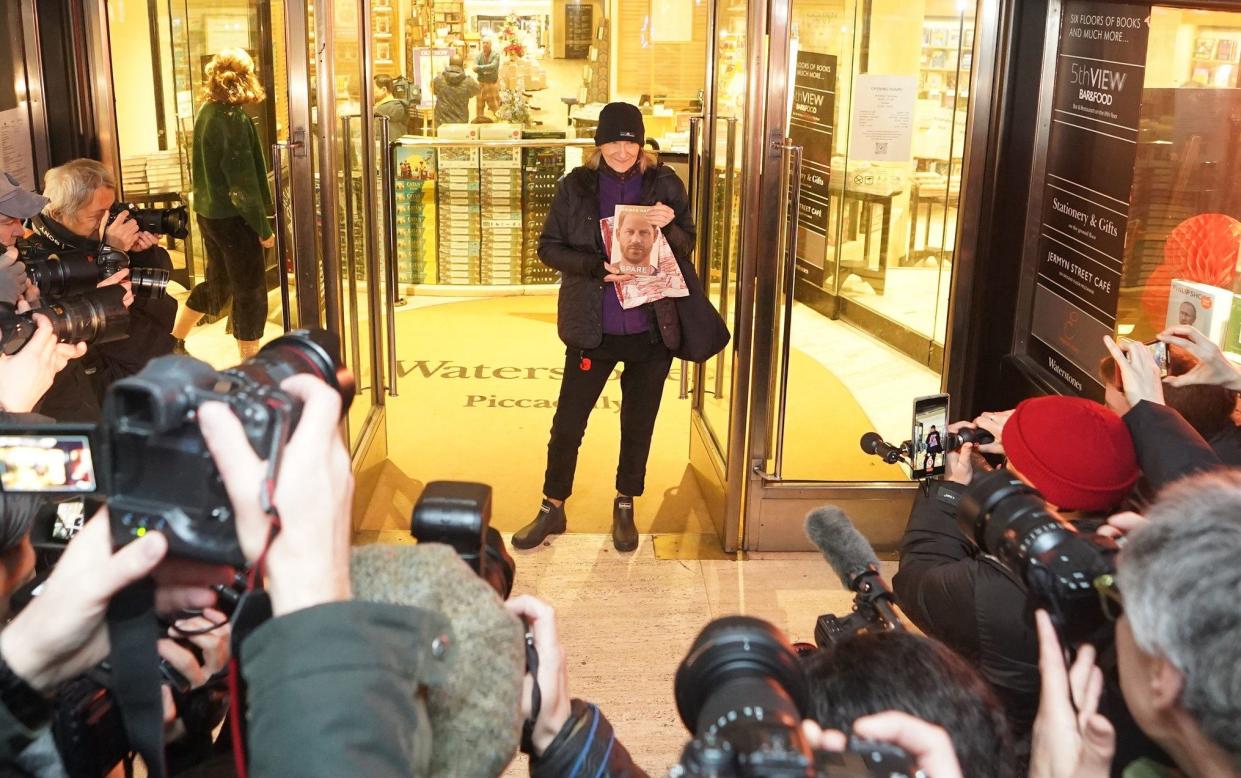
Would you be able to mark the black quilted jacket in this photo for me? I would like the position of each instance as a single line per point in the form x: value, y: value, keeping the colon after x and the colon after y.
x: 571, y: 243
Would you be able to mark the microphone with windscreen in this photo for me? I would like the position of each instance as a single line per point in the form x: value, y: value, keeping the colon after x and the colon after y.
x: 853, y: 559
x: 873, y: 443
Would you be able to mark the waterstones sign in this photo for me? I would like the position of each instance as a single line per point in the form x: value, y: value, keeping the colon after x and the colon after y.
x: 1092, y: 146
x: 509, y: 386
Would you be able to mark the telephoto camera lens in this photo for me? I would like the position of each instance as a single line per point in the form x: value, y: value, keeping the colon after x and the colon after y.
x: 99, y: 316
x: 63, y: 274
x: 1009, y: 519
x: 742, y: 690
x: 173, y: 221
x: 300, y: 351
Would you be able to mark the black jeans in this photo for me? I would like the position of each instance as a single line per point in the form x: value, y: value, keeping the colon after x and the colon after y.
x: 235, y: 269
x: 642, y: 387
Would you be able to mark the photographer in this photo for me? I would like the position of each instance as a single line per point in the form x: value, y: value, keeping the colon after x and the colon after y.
x: 1178, y: 643
x: 874, y: 672
x: 954, y: 591
x: 76, y: 218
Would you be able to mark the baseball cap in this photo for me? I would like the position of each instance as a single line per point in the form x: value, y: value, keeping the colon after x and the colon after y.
x: 16, y: 202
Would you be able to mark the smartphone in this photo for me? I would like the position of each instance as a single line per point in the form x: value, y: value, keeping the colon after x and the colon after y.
x: 1159, y: 350
x: 48, y: 459
x: 930, y: 423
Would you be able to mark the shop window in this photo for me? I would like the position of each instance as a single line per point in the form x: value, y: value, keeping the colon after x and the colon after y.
x: 1138, y: 214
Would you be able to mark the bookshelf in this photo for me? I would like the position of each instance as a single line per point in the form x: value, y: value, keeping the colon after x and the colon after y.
x: 943, y: 40
x: 448, y: 20
x: 1217, y: 54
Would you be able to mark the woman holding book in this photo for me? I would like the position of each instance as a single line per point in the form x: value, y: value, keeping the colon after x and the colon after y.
x: 597, y: 331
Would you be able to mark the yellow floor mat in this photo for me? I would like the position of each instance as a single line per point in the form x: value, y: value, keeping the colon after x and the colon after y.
x: 476, y: 404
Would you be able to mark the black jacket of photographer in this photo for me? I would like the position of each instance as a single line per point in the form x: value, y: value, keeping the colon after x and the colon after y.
x: 77, y: 392
x: 572, y: 243
x: 961, y: 596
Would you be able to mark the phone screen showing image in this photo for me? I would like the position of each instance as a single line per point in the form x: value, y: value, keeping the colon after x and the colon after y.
x: 927, y: 442
x: 39, y: 462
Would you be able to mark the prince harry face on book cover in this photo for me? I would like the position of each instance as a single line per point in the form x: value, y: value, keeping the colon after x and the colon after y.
x: 636, y: 237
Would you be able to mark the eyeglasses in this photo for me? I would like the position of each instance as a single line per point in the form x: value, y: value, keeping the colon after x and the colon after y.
x: 1110, y: 599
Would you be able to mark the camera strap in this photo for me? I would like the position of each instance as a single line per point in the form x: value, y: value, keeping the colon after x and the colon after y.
x: 536, y: 697
x: 133, y: 632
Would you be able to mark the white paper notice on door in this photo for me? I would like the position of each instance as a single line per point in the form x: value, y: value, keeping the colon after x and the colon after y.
x: 883, y: 118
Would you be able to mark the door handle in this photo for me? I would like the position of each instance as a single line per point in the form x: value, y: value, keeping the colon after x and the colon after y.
x: 791, y: 159
x: 277, y: 159
x: 389, y: 184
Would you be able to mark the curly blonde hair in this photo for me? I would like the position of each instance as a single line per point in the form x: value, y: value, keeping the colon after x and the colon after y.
x: 231, y: 79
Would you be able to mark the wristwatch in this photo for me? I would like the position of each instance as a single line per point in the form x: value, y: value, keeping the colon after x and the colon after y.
x: 30, y: 708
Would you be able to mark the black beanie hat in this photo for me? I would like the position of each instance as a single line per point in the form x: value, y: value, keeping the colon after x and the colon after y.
x: 620, y: 121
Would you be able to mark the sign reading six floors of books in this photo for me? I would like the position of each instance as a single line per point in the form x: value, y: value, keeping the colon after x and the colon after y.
x: 811, y: 127
x: 1091, y: 151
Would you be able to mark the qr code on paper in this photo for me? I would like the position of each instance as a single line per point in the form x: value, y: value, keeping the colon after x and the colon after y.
x: 881, y: 147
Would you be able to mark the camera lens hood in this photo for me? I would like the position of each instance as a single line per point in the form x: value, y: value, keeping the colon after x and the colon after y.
x: 731, y: 648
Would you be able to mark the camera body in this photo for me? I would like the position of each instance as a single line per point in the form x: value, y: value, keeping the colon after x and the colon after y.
x: 151, y: 459
x: 458, y: 514
x: 872, y: 611
x: 1009, y: 519
x: 162, y: 476
x: 173, y: 221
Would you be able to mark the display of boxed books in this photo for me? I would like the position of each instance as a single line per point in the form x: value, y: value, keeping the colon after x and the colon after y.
x: 1207, y: 308
x: 414, y: 213
x: 501, y: 206
x: 541, y: 172
x: 459, y: 217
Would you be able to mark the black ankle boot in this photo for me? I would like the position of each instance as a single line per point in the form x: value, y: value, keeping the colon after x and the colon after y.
x: 624, y: 533
x: 550, y: 521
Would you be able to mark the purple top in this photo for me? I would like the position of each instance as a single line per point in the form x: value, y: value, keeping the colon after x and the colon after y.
x: 620, y: 189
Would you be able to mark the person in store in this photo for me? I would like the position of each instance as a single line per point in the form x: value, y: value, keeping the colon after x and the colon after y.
x: 597, y: 332
x: 231, y: 201
x: 387, y: 105
x: 453, y: 90
x: 487, y: 70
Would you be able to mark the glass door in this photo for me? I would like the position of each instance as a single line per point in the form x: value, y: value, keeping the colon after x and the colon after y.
x: 828, y: 222
x: 718, y: 155
x: 312, y: 59
x: 876, y: 118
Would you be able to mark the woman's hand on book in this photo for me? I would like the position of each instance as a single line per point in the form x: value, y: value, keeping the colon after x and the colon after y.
x: 660, y: 215
x: 615, y: 276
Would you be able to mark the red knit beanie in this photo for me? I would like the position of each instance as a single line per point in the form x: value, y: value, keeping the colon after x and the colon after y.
x: 1076, y: 452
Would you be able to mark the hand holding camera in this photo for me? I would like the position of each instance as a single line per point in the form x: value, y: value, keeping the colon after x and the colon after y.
x: 1071, y: 737
x: 1138, y: 372
x: 553, y: 679
x: 929, y: 745
x: 13, y: 280
x: 62, y: 633
x: 27, y: 375
x: 120, y: 230
x: 308, y: 559
x: 1213, y: 367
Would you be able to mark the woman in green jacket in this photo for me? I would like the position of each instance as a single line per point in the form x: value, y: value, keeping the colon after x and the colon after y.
x: 231, y: 201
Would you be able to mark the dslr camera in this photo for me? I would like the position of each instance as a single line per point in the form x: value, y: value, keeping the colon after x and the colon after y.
x: 148, y: 456
x: 1061, y: 567
x: 173, y: 221
x: 98, y: 316
x: 458, y: 514
x: 743, y: 693
x: 67, y: 273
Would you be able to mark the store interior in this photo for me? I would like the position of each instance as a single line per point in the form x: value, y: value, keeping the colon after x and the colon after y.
x: 467, y: 221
